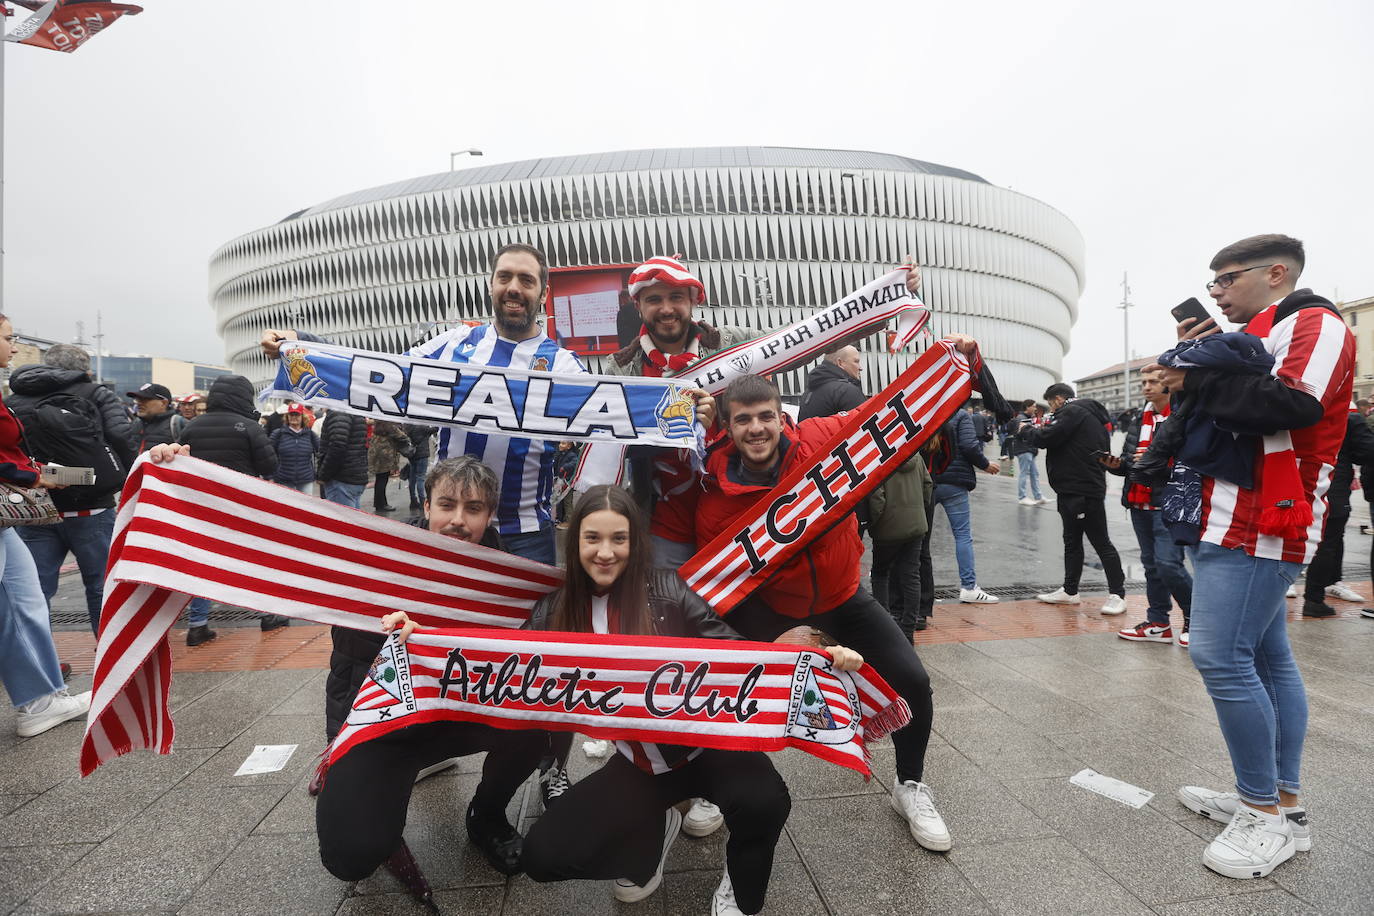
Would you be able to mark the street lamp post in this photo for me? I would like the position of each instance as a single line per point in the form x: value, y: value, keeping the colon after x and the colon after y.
x: 452, y: 157
x: 1126, y: 343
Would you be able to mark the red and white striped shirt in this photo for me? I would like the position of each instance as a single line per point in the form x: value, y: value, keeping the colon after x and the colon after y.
x: 1313, y: 352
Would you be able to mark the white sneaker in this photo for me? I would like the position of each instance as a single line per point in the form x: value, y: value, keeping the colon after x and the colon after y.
x: 625, y: 890
x: 1115, y: 604
x: 1251, y: 846
x: 1343, y: 592
x: 723, y: 900
x: 914, y: 801
x: 702, y: 819
x: 1028, y: 501
x: 1292, y: 592
x: 1058, y: 596
x: 976, y: 595
x: 1041, y: 500
x: 1182, y: 638
x: 1222, y: 806
x: 51, y: 711
x: 437, y: 768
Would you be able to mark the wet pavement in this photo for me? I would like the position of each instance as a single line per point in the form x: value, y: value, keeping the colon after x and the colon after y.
x: 1026, y: 695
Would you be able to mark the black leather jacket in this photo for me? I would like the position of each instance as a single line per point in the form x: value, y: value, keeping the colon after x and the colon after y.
x: 675, y: 609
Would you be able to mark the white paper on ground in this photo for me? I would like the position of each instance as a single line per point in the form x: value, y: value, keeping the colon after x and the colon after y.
x: 1111, y: 788
x: 596, y: 749
x: 266, y: 758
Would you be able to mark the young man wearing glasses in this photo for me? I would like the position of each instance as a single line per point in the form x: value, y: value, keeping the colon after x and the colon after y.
x: 1255, y: 539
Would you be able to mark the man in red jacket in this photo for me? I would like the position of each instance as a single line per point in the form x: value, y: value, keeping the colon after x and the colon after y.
x: 820, y: 586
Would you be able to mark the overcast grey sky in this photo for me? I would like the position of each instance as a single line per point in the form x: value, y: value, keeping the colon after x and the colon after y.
x: 1164, y: 131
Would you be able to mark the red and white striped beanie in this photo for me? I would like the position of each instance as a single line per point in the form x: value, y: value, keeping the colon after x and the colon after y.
x: 663, y: 269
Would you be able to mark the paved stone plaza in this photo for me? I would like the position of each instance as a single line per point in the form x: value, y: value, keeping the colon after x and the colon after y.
x: 1019, y: 709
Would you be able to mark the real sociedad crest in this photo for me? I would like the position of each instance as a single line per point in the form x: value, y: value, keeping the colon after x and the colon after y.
x: 742, y: 361
x: 387, y: 693
x: 675, y: 412
x: 301, y: 373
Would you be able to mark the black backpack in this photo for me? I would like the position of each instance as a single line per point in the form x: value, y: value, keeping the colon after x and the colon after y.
x: 64, y: 427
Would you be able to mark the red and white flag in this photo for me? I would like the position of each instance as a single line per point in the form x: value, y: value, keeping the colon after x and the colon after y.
x: 66, y: 26
x: 724, y: 694
x: 876, y: 439
x: 192, y: 528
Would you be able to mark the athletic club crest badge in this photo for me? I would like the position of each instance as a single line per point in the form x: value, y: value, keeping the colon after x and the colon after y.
x: 824, y: 715
x: 300, y: 372
x: 676, y: 411
x: 387, y: 693
x: 742, y: 361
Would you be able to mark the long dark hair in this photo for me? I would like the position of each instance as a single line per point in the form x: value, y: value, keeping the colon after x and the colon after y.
x: 629, y: 597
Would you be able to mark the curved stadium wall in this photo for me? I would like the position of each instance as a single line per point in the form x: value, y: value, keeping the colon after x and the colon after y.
x: 774, y: 233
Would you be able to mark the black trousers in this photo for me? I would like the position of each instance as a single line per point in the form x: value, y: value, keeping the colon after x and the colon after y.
x: 610, y: 824
x: 361, y: 811
x: 861, y: 624
x: 1087, y: 516
x: 897, y: 580
x: 379, y: 483
x: 1325, y: 568
x: 927, y: 566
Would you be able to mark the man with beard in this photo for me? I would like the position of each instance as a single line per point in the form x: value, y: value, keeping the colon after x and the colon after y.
x: 669, y: 342
x: 519, y: 285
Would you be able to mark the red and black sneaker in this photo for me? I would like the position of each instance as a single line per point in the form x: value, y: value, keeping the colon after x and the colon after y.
x: 1148, y: 632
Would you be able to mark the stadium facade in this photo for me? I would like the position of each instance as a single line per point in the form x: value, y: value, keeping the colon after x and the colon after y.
x: 774, y: 233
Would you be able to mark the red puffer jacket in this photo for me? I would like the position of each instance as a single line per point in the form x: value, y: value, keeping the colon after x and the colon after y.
x: 822, y: 576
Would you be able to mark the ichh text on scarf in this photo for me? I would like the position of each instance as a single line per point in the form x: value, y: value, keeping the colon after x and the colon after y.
x: 497, y: 400
x: 727, y: 695
x: 875, y: 440
x: 863, y: 310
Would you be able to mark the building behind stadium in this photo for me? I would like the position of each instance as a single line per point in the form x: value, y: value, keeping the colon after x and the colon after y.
x: 774, y: 233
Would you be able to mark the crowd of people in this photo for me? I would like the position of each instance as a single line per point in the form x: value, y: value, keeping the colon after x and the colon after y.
x: 1232, y: 470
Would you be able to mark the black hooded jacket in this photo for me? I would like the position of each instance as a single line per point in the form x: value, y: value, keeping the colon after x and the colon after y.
x: 830, y: 390
x: 343, y: 449
x: 31, y: 384
x: 1079, y: 429
x: 228, y: 433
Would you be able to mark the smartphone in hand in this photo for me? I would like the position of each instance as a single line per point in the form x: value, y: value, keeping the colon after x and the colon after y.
x: 1190, y: 308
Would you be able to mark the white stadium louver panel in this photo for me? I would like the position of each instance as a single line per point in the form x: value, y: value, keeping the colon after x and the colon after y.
x: 371, y: 266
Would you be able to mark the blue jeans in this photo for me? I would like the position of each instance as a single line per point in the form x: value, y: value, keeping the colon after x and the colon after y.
x: 88, y: 539
x: 345, y: 494
x: 1240, y: 646
x: 1027, y: 474
x: 198, y: 611
x: 533, y: 545
x: 955, y: 501
x: 419, y: 467
x: 1166, y: 578
x: 28, y: 658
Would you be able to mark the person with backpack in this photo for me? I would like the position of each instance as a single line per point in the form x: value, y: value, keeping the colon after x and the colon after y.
x: 898, y: 521
x: 29, y: 669
x: 154, y: 423
x: 70, y: 420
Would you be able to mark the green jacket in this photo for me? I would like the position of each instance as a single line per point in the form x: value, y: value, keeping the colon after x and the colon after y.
x: 898, y: 507
x: 630, y: 361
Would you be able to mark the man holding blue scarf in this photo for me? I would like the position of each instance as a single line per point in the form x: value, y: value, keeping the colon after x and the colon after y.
x: 519, y: 286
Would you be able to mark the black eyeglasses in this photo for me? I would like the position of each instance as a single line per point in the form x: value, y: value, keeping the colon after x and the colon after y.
x: 1225, y: 280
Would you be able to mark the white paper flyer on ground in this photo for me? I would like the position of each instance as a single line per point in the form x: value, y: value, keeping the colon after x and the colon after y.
x: 266, y: 758
x: 1111, y: 788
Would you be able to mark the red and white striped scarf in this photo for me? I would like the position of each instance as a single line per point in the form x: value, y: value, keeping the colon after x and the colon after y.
x: 876, y: 439
x: 738, y: 696
x: 1137, y: 495
x: 655, y: 360
x: 189, y: 527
